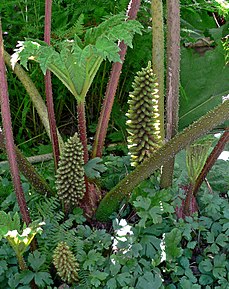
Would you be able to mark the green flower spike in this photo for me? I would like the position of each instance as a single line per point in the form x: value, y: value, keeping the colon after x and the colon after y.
x: 65, y: 263
x: 70, y: 174
x: 143, y: 116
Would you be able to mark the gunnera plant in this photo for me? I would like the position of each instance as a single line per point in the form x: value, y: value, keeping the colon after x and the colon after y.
x: 65, y: 263
x: 143, y: 124
x: 70, y: 174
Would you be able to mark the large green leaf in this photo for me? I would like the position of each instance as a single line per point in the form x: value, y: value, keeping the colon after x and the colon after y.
x: 77, y: 61
x: 204, y: 80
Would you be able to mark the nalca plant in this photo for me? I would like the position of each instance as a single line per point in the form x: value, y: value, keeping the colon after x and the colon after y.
x: 143, y: 116
x: 70, y: 174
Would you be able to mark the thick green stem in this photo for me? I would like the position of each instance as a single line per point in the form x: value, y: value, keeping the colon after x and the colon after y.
x: 7, y: 126
x: 21, y: 262
x: 48, y: 87
x: 82, y: 128
x: 29, y: 171
x: 158, y: 56
x: 112, y: 200
x: 102, y: 126
x: 34, y: 95
x: 172, y: 82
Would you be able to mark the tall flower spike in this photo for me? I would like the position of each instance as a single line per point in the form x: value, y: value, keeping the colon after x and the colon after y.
x: 143, y: 116
x: 65, y: 263
x: 70, y: 174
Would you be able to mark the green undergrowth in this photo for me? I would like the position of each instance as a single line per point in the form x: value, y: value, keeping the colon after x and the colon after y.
x: 145, y: 246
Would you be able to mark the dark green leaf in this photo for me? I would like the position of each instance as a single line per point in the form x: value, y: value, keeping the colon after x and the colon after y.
x: 26, y: 276
x: 42, y: 279
x: 205, y: 80
x: 205, y: 266
x: 172, y: 241
x: 149, y: 281
x: 205, y: 279
x: 36, y: 260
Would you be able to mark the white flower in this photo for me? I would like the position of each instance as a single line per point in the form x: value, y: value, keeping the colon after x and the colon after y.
x: 26, y: 232
x: 12, y: 234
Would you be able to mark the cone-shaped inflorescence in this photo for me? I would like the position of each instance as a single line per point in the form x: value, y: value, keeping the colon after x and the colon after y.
x: 143, y: 116
x: 70, y: 174
x: 65, y: 263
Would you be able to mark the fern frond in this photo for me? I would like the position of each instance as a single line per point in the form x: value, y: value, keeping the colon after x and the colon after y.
x: 76, y: 29
x: 84, y: 279
x: 49, y: 208
x: 102, y: 29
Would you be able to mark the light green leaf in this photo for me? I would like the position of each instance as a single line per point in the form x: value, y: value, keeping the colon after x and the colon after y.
x: 142, y: 203
x: 107, y: 49
x: 94, y: 168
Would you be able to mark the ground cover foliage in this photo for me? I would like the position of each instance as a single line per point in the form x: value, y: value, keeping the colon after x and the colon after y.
x: 159, y: 237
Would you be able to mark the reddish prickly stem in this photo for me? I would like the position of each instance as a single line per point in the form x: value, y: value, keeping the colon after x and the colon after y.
x: 48, y: 15
x: 48, y: 87
x: 108, y: 103
x: 90, y: 200
x: 7, y: 125
x: 172, y: 82
x: 102, y: 126
x: 189, y: 205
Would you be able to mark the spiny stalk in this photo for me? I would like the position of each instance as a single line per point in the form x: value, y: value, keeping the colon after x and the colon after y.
x: 7, y: 126
x: 158, y: 56
x: 102, y: 126
x: 172, y: 82
x: 48, y: 87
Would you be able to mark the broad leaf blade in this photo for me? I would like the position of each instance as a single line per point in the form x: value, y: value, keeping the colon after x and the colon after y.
x: 204, y: 80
